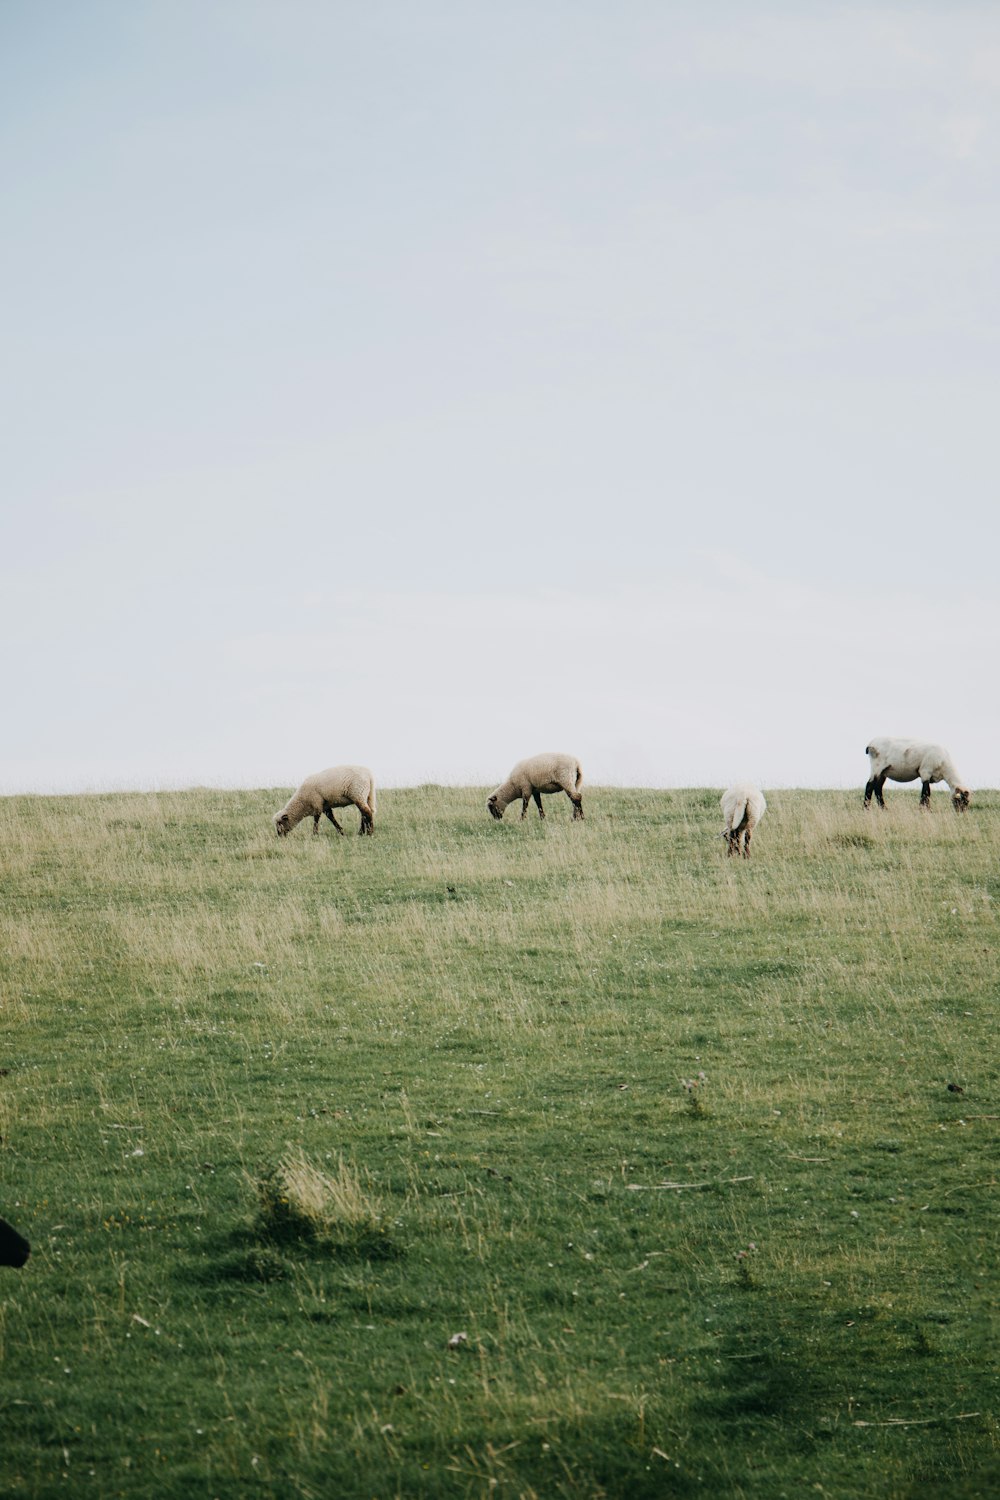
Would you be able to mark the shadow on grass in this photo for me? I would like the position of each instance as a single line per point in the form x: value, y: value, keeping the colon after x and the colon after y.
x: 758, y: 1385
x: 981, y: 1483
x: 608, y: 1458
x: 244, y: 1255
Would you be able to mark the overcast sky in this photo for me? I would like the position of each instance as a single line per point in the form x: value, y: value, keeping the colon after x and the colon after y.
x: 430, y: 384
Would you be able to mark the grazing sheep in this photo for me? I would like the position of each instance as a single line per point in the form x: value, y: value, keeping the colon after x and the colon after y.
x: 908, y: 760
x: 541, y: 773
x: 14, y: 1248
x: 337, y: 787
x: 743, y: 806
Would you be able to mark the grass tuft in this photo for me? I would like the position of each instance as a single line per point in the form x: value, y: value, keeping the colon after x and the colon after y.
x: 298, y: 1203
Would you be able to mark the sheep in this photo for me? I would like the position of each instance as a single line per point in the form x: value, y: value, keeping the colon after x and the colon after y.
x: 338, y: 786
x: 743, y: 806
x: 906, y: 760
x: 540, y: 773
x: 14, y: 1248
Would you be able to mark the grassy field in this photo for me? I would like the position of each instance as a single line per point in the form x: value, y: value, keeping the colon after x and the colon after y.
x: 500, y: 1159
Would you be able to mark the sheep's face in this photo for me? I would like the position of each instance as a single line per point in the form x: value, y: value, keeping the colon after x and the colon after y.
x: 282, y: 824
x: 495, y: 807
x: 960, y: 800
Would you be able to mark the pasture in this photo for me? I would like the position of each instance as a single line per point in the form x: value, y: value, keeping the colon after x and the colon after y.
x: 513, y: 1160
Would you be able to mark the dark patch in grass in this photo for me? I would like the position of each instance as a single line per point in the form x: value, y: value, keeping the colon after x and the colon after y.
x: 759, y: 969
x: 759, y: 1385
x: 948, y: 1483
x: 346, y: 1243
x: 612, y: 1458
x: 556, y: 1296
x: 852, y: 841
x: 259, y: 1263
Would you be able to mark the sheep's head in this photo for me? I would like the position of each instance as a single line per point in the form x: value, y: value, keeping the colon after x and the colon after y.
x: 282, y: 824
x: 495, y: 807
x: 960, y: 799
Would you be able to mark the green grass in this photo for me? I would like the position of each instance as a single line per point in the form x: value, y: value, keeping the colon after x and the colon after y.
x: 281, y: 1118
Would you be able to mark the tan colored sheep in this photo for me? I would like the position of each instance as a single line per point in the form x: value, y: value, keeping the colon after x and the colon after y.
x: 339, y: 786
x: 743, y: 806
x: 540, y: 773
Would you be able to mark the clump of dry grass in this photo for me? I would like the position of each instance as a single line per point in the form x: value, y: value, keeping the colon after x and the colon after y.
x: 299, y: 1203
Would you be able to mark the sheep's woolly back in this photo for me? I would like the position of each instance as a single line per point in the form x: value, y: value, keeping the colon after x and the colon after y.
x: 340, y: 786
x: 913, y: 760
x: 553, y: 771
x: 743, y: 803
x: 337, y: 786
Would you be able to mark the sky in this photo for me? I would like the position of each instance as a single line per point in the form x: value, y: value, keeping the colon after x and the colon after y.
x: 429, y: 385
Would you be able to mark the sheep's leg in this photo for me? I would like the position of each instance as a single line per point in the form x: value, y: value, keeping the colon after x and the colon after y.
x: 879, y: 784
x: 925, y: 794
x: 746, y: 844
x: 367, y: 824
x: 329, y: 813
x: 538, y: 801
x: 577, y: 805
x: 868, y: 792
x: 316, y: 818
x: 732, y: 843
x: 524, y: 806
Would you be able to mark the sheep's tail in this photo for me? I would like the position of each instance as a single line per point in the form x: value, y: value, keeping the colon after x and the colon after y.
x: 740, y: 815
x: 579, y: 776
x: 371, y: 794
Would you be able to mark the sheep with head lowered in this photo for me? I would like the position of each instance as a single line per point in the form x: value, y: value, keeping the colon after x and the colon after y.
x: 912, y: 760
x: 339, y: 786
x: 743, y: 806
x: 554, y: 772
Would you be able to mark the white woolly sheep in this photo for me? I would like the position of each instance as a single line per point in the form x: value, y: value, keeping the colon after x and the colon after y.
x: 339, y: 786
x: 540, y: 773
x: 743, y: 806
x: 910, y: 760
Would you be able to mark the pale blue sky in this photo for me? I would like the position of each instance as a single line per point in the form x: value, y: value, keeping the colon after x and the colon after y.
x: 431, y: 384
